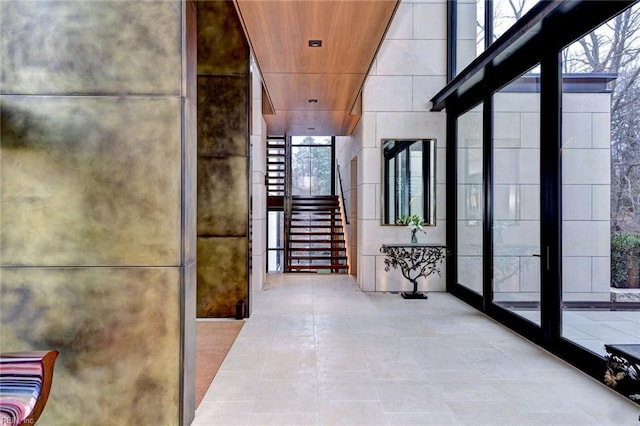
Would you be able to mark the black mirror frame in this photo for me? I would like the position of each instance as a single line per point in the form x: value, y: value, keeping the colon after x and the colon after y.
x: 428, y: 176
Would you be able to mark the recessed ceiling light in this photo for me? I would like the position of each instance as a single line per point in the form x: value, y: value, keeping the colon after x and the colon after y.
x: 313, y: 101
x: 315, y: 43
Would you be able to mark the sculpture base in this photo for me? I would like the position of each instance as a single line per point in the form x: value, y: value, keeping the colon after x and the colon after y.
x: 409, y: 295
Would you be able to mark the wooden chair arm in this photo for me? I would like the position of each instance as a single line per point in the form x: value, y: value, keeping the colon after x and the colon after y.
x: 10, y: 362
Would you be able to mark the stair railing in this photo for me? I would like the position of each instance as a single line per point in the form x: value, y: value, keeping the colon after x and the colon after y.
x: 287, y: 201
x: 343, y: 211
x: 342, y: 202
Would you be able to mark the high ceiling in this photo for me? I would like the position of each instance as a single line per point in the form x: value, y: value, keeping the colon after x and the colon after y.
x: 314, y: 90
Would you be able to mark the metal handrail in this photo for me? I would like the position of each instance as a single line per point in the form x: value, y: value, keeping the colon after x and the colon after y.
x: 287, y: 200
x: 344, y: 206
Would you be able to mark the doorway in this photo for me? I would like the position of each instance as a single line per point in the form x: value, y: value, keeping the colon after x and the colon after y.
x: 305, y: 225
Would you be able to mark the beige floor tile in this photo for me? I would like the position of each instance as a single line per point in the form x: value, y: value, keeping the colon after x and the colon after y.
x: 316, y: 351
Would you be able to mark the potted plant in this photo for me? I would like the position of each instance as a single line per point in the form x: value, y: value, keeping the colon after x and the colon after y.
x: 415, y: 223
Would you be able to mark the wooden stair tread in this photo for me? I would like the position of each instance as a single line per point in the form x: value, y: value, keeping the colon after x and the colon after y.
x: 313, y: 197
x: 327, y: 252
x: 303, y: 267
x: 318, y: 258
x: 337, y: 233
x: 316, y: 237
x: 315, y: 215
x: 316, y: 226
x: 312, y: 240
x: 305, y: 209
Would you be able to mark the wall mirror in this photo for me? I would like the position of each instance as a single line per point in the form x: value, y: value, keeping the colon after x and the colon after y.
x: 409, y: 179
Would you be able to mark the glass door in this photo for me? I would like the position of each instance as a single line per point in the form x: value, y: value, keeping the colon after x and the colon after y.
x: 470, y: 203
x: 516, y: 197
x: 601, y: 186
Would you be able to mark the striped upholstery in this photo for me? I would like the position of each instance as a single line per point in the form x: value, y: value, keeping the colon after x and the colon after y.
x: 25, y: 381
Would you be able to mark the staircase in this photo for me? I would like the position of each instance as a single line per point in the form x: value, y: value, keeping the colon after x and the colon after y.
x: 315, y: 240
x: 275, y: 176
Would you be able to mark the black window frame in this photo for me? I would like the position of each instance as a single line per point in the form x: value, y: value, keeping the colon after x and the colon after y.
x: 538, y: 37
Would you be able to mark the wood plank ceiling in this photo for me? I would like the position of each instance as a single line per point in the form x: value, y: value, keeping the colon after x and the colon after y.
x: 314, y: 90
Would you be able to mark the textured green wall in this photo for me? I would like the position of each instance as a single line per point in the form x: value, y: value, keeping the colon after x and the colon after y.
x: 223, y: 161
x: 98, y: 204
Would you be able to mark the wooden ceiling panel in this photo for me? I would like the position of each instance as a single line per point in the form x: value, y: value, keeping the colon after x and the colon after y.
x: 332, y: 91
x: 312, y: 123
x: 279, y: 32
x: 350, y: 32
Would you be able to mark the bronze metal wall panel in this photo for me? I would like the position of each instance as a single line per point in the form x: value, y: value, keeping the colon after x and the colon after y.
x: 125, y: 47
x: 90, y: 181
x: 223, y: 161
x: 118, y: 333
x: 190, y: 182
x: 223, y: 115
x: 98, y: 201
x: 222, y: 196
x: 188, y: 361
x: 191, y: 47
x: 222, y: 275
x: 222, y: 46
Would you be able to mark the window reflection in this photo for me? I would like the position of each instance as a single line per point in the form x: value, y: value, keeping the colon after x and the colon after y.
x: 474, y: 27
x: 409, y: 179
x: 516, y: 197
x: 470, y: 204
x: 600, y: 185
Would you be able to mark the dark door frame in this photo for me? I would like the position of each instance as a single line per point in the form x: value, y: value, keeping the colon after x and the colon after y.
x: 502, y: 62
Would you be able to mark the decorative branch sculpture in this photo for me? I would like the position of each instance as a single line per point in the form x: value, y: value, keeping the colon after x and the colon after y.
x: 414, y: 261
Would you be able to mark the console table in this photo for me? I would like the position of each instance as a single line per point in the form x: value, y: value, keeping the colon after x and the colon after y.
x: 414, y: 261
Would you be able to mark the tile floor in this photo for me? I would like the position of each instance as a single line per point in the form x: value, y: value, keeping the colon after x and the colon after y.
x: 317, y: 351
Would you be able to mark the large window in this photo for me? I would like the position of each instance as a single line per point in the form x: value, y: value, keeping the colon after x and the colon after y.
x: 476, y: 29
x: 311, y: 165
x: 516, y: 197
x: 551, y: 247
x: 470, y: 202
x: 601, y: 185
